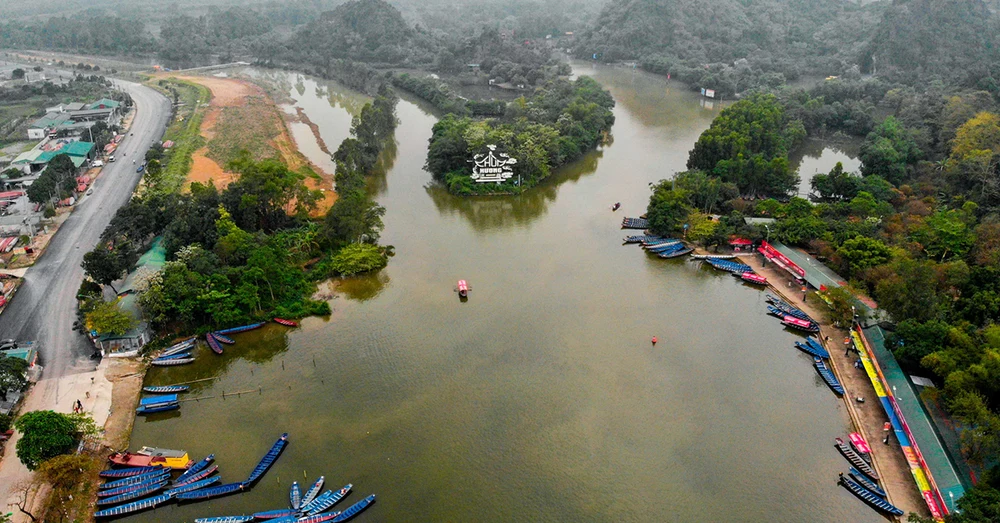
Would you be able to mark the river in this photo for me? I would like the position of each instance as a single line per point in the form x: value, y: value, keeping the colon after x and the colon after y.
x: 541, y: 397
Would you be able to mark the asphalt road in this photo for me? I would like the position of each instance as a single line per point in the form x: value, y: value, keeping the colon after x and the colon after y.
x: 44, y: 308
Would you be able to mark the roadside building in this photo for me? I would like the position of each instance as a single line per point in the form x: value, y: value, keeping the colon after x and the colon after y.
x: 41, y: 127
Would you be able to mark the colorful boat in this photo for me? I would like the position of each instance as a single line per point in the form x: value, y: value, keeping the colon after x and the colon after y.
x: 197, y: 485
x: 213, y: 343
x: 153, y: 457
x: 198, y: 476
x: 813, y: 351
x: 241, y: 328
x: 225, y: 519
x: 129, y: 508
x: 135, y: 494
x: 138, y: 478
x: 268, y: 459
x: 174, y: 356
x: 660, y: 244
x: 222, y: 338
x: 129, y: 472
x: 166, y: 389
x: 869, y: 497
x: 196, y: 468
x: 319, y: 518
x: 286, y: 323
x: 355, y: 509
x: 179, y: 347
x: 678, y: 253
x: 754, y: 278
x: 865, y: 482
x: 828, y: 376
x: 170, y: 363
x: 273, y: 514
x: 107, y: 493
x: 860, y: 446
x: 313, y: 491
x: 666, y: 247
x: 212, y: 492
x: 855, y: 460
x: 327, y: 500
x: 159, y: 407
x: 799, y: 324
x: 295, y: 496
x: 787, y: 307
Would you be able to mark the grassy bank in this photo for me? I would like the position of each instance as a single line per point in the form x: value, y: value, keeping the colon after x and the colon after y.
x: 184, y: 130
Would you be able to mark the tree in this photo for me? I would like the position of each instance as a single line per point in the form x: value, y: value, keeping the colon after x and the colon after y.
x: 45, y: 435
x: 974, y: 163
x: 13, y: 374
x: 836, y: 186
x: 17, y: 74
x: 357, y: 258
x: 862, y: 253
x: 354, y: 216
x: 104, y: 266
x: 888, y: 151
x: 667, y: 209
x: 107, y: 318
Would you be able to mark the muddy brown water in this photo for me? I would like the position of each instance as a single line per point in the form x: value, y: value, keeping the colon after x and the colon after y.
x: 540, y: 398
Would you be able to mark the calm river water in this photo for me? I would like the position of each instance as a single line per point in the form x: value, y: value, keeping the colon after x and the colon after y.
x: 541, y: 398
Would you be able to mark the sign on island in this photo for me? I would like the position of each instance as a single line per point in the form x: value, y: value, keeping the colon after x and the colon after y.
x: 490, y: 167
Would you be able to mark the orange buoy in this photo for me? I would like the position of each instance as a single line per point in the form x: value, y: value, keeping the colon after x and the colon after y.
x: 654, y: 340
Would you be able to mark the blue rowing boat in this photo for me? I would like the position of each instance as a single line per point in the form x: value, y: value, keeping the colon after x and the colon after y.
x: 107, y: 493
x: 828, y: 377
x: 355, y: 509
x: 675, y: 245
x: 223, y: 338
x: 196, y: 485
x: 225, y: 519
x: 135, y: 506
x: 212, y: 492
x: 166, y: 389
x: 856, y: 475
x: 268, y: 459
x: 869, y: 497
x: 178, y: 356
x: 659, y: 242
x: 855, y: 459
x: 634, y: 223
x: 196, y: 468
x: 242, y: 328
x: 197, y: 476
x: 128, y: 472
x: 730, y: 266
x: 171, y: 362
x: 640, y: 238
x: 313, y: 491
x: 213, y: 343
x: 295, y: 495
x: 327, y: 500
x: 135, y: 494
x: 156, y: 400
x: 678, y: 253
x: 814, y: 344
x: 787, y: 307
x: 812, y: 351
x: 138, y: 478
x: 273, y: 514
x: 160, y: 407
x: 319, y: 518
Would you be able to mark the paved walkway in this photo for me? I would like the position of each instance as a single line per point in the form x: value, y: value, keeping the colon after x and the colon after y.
x: 944, y: 472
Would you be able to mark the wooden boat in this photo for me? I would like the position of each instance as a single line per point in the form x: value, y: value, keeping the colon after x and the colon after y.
x: 222, y: 338
x: 869, y: 497
x: 149, y: 401
x: 268, y: 459
x: 286, y: 323
x: 166, y: 389
x: 616, y: 206
x: 809, y: 349
x: 799, y: 324
x: 179, y: 347
x: 865, y: 482
x: 169, y: 363
x: 225, y: 519
x: 295, y: 496
x: 319, y: 518
x: 665, y: 247
x: 659, y: 242
x: 787, y: 307
x: 129, y: 472
x: 313, y: 491
x: 273, y: 514
x: 138, y: 478
x: 129, y: 508
x: 106, y: 493
x: 855, y: 460
x: 153, y: 457
x: 198, y: 476
x: 174, y: 356
x: 213, y: 343
x: 196, y: 468
x: 815, y: 344
x: 860, y: 446
x: 241, y: 328
x: 327, y: 500
x: 730, y: 266
x: 212, y: 492
x: 714, y: 256
x: 463, y: 289
x: 754, y: 278
x: 355, y: 509
x: 828, y: 376
x: 634, y: 223
x: 197, y: 485
x: 677, y: 253
x: 128, y: 496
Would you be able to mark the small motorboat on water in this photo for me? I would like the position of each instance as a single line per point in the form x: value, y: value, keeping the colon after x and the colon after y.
x: 152, y: 456
x: 616, y: 206
x: 463, y: 289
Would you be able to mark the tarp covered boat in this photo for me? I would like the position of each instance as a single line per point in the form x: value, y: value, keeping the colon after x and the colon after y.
x: 860, y: 446
x: 754, y: 278
x: 800, y: 324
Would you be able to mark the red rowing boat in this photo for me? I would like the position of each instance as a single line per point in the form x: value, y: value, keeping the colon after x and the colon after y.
x: 751, y: 277
x: 287, y: 323
x: 463, y: 289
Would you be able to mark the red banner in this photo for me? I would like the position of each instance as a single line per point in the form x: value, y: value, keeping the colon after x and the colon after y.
x: 772, y: 254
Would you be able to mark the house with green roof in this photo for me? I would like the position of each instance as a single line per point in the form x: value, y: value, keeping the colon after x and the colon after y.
x: 40, y: 127
x: 104, y: 103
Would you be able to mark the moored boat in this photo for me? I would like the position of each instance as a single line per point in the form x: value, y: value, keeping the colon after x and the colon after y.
x: 799, y: 324
x: 274, y: 514
x: 129, y: 471
x: 828, y: 376
x: 134, y: 494
x: 174, y: 356
x: 269, y: 458
x: 855, y: 460
x: 135, y: 506
x: 313, y: 491
x: 355, y: 509
x: 196, y: 485
x: 295, y: 495
x: 634, y: 223
x: 677, y: 253
x: 107, y: 493
x: 196, y: 468
x: 754, y: 278
x: 213, y: 343
x: 241, y: 328
x: 639, y: 238
x: 659, y: 242
x: 170, y: 363
x: 319, y: 518
x: 197, y: 476
x: 159, y: 407
x: 463, y: 289
x: 225, y: 519
x: 138, y: 478
x: 286, y: 323
x: 222, y: 338
x: 166, y: 389
x: 667, y: 247
x: 179, y: 347
x: 212, y: 492
x: 153, y: 457
x: 809, y: 349
x: 327, y: 500
x: 865, y: 482
x: 869, y: 497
